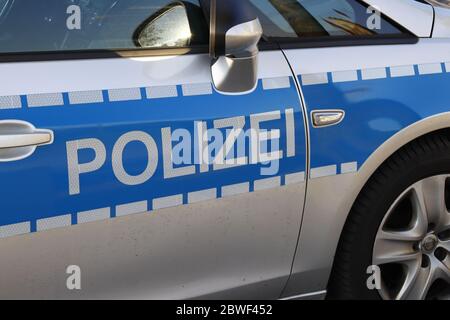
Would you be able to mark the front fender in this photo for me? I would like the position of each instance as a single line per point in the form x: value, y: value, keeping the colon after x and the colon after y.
x: 329, y: 202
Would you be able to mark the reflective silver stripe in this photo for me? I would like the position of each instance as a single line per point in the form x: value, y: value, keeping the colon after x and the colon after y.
x: 294, y: 178
x: 235, y: 189
x: 349, y: 167
x: 161, y: 92
x: 323, y: 171
x: 203, y: 195
x: 375, y: 73
x: 430, y: 68
x: 447, y: 66
x: 131, y: 208
x: 15, y: 229
x: 290, y: 133
x: 83, y: 97
x: 402, y: 71
x: 45, y: 100
x: 268, y: 183
x: 93, y: 215
x: 167, y: 202
x: 344, y: 76
x: 125, y: 94
x: 276, y: 83
x: 10, y: 102
x: 54, y: 222
x: 196, y: 89
x: 314, y: 78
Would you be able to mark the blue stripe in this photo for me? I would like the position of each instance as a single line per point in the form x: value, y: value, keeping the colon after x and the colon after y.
x: 42, y: 179
x: 375, y: 111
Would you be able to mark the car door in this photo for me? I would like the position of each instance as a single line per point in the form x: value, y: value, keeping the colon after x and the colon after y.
x: 362, y: 77
x: 125, y: 174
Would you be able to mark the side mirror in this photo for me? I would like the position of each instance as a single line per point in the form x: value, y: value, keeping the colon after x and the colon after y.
x: 235, y: 31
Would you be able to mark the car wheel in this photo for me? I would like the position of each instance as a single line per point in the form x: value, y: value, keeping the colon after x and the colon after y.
x: 396, y: 241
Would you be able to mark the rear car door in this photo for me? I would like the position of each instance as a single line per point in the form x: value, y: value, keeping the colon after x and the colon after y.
x: 106, y: 108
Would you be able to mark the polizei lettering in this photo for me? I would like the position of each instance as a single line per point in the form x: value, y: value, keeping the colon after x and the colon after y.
x: 229, y: 143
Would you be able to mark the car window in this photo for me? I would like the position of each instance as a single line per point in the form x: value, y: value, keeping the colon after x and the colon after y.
x: 312, y: 18
x: 440, y: 3
x: 73, y: 25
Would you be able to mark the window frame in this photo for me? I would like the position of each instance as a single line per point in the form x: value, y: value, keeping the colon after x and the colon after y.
x: 99, y: 54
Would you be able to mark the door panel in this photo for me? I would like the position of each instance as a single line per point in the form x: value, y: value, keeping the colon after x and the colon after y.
x: 106, y: 196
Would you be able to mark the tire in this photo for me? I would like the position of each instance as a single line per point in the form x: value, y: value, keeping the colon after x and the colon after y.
x: 389, y: 221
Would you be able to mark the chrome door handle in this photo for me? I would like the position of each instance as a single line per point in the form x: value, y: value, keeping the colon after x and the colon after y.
x: 19, y: 139
x: 24, y: 139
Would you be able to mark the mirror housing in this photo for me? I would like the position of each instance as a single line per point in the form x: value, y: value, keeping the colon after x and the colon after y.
x: 235, y: 31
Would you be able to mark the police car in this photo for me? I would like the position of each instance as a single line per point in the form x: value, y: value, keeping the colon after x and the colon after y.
x: 257, y: 149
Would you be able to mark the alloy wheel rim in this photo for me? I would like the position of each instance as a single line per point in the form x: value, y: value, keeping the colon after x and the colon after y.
x: 412, y: 245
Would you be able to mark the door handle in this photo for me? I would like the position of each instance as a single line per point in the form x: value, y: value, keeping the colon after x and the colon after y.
x: 24, y: 139
x: 19, y: 139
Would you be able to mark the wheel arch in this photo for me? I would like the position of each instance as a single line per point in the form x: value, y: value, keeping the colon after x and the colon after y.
x: 405, y: 136
x: 425, y: 127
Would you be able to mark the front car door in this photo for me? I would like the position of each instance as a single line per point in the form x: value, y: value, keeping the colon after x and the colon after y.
x: 119, y: 159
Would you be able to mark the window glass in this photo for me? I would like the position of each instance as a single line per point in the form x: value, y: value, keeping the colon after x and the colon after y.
x: 72, y: 25
x: 440, y: 3
x: 313, y: 18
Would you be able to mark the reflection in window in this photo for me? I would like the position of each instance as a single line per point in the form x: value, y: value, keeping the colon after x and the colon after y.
x: 41, y: 25
x: 312, y: 18
x: 440, y: 3
x: 170, y: 29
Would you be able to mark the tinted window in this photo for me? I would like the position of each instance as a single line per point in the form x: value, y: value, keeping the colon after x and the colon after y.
x: 62, y: 25
x: 313, y: 18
